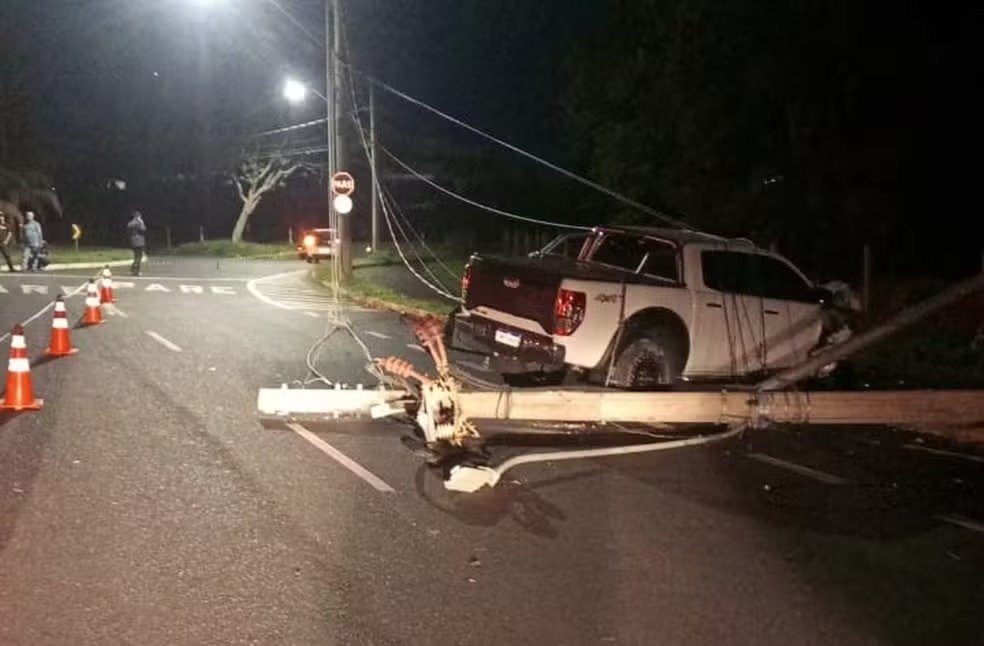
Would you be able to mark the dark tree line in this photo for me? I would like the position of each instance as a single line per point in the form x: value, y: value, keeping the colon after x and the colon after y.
x: 805, y: 123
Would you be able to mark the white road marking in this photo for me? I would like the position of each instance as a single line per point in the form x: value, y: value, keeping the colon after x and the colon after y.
x: 820, y: 476
x: 313, y: 315
x: 949, y: 454
x: 374, y: 481
x: 378, y: 335
x: 252, y: 289
x: 112, y: 310
x: 40, y: 312
x: 164, y: 342
x: 960, y: 521
x: 185, y: 279
x: 414, y: 346
x: 225, y: 290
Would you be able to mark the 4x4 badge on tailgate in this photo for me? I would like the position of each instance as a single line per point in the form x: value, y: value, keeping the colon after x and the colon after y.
x: 606, y: 298
x: 511, y: 283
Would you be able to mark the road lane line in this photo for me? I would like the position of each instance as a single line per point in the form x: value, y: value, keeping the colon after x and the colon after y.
x: 820, y: 476
x: 378, y: 335
x: 40, y: 312
x: 414, y: 346
x: 112, y: 310
x: 948, y: 454
x: 960, y: 521
x: 164, y: 342
x: 374, y: 481
x: 313, y: 315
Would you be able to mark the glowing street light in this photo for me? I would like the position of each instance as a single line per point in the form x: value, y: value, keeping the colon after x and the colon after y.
x: 295, y: 91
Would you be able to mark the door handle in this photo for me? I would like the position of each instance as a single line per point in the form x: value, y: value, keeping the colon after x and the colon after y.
x: 715, y: 305
x: 772, y: 312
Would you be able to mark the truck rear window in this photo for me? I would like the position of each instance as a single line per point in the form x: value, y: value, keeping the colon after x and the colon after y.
x: 638, y: 254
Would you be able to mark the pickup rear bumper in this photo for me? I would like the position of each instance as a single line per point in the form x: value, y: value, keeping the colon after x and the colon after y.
x: 534, y: 352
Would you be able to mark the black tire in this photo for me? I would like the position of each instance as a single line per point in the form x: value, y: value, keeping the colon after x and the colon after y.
x: 650, y: 359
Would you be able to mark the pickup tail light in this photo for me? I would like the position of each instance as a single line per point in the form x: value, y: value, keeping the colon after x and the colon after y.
x: 465, y: 281
x: 568, y: 311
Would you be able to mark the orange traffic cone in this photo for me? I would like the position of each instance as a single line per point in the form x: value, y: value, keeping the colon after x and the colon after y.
x: 61, y: 341
x: 19, y: 394
x: 93, y: 312
x: 106, y: 287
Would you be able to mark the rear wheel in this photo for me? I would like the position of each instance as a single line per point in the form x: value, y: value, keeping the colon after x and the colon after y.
x: 651, y: 359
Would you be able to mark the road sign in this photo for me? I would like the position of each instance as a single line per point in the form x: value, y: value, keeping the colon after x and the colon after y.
x: 342, y: 183
x: 76, y: 232
x: 343, y: 204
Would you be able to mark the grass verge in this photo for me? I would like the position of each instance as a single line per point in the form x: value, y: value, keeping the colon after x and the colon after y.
x: 388, y: 255
x: 381, y: 297
x: 229, y: 249
x: 68, y: 254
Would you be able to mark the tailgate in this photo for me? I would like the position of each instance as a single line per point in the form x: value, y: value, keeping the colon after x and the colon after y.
x: 525, y: 290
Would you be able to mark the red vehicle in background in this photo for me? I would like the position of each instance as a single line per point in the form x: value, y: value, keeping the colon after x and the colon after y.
x: 316, y: 244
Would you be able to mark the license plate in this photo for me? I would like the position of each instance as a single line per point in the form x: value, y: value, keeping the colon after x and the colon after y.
x: 508, y: 338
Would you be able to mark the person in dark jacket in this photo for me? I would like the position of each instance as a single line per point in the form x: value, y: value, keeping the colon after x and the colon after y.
x: 137, y: 231
x: 6, y: 239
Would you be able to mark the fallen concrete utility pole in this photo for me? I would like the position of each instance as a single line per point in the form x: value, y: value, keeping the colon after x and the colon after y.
x: 897, y: 323
x: 900, y: 408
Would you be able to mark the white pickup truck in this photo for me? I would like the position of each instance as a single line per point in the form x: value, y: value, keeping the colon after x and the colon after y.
x: 645, y: 307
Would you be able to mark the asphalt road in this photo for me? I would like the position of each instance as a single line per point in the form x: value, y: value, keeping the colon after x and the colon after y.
x: 146, y: 505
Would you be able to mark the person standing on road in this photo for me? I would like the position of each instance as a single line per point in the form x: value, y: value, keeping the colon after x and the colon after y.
x: 137, y: 231
x: 33, y: 239
x: 6, y: 237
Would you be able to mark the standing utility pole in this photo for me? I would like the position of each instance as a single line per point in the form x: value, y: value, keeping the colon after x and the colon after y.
x: 372, y: 165
x: 336, y: 159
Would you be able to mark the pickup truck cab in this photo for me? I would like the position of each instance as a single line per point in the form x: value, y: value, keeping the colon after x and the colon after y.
x: 644, y: 307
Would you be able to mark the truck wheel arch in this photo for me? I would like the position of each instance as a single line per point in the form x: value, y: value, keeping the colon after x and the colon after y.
x: 645, y: 319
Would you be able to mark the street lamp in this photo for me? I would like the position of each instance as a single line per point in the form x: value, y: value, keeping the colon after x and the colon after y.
x: 295, y: 91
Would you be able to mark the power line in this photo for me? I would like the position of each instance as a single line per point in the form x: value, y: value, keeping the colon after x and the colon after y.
x: 387, y: 215
x: 462, y: 198
x: 413, y: 249
x: 297, y: 23
x: 401, y: 217
x: 563, y: 171
x: 298, y: 126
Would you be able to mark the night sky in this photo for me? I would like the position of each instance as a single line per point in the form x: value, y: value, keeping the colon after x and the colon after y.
x: 122, y: 81
x: 149, y: 88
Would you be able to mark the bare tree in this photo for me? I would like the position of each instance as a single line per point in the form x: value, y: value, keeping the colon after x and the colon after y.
x: 255, y: 178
